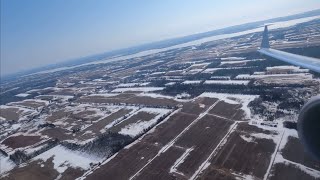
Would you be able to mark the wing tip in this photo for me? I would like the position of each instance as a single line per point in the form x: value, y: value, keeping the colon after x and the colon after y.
x: 265, y: 38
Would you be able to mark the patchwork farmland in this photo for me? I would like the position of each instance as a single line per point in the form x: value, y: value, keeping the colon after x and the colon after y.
x: 214, y: 110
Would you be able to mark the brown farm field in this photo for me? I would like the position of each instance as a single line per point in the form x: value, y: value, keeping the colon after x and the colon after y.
x: 249, y: 156
x: 203, y: 137
x: 155, y: 153
x: 294, y: 151
x: 30, y: 103
x: 230, y: 111
x: 10, y: 113
x: 21, y: 141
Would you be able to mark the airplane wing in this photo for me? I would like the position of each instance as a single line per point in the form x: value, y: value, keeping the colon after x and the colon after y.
x: 298, y: 60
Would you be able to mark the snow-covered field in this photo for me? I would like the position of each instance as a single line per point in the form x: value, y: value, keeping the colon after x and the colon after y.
x: 5, y: 164
x: 227, y: 82
x: 220, y: 77
x: 138, y: 89
x: 140, y: 126
x: 212, y: 70
x: 22, y: 95
x: 192, y: 82
x: 239, y: 62
x: 64, y: 158
x: 22, y: 112
x: 105, y: 94
x: 131, y: 85
x: 275, y: 76
x: 294, y: 69
x: 233, y: 58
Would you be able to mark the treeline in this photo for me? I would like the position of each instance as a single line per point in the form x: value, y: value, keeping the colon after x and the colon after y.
x: 266, y: 91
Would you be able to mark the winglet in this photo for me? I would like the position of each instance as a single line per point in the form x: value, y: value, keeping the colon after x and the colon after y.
x: 265, y: 38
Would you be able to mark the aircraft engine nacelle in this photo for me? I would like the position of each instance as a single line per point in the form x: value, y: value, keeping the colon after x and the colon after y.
x: 309, y: 126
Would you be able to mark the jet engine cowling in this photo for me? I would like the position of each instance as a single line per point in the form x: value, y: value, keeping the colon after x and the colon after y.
x: 309, y: 126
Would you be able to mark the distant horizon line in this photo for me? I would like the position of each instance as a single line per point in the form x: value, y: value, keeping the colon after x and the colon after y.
x: 47, y: 67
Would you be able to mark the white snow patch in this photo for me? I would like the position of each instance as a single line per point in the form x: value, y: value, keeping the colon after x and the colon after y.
x: 289, y: 68
x: 154, y: 95
x: 158, y: 73
x: 233, y: 62
x: 105, y: 94
x: 192, y: 82
x: 301, y: 76
x: 287, y: 133
x: 128, y: 85
x: 5, y: 164
x: 212, y: 70
x: 22, y: 95
x: 64, y: 158
x: 248, y: 139
x: 139, y: 127
x: 170, y: 84
x: 227, y: 82
x: 220, y: 77
x: 232, y: 58
x: 139, y: 89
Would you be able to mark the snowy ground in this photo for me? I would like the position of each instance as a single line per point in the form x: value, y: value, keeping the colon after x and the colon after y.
x: 227, y: 82
x: 64, y: 158
x: 137, y: 89
x: 5, y: 164
x: 140, y: 126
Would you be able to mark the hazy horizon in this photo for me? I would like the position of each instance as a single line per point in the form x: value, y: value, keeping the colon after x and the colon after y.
x: 38, y: 33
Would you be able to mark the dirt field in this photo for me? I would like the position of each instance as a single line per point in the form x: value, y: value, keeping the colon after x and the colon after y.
x: 152, y: 101
x: 10, y: 113
x: 57, y: 133
x: 230, y: 111
x: 71, y: 116
x: 127, y: 162
x: 21, y: 141
x: 209, y: 130
x: 204, y: 136
x: 96, y: 127
x: 30, y: 103
x: 138, y: 155
x: 85, y: 115
x: 294, y: 151
x: 218, y: 174
x: 160, y: 167
x: 121, y: 98
x: 64, y: 92
x: 246, y: 128
x: 57, y: 115
x: 282, y: 171
x: 198, y: 106
x: 171, y: 128
x: 242, y: 157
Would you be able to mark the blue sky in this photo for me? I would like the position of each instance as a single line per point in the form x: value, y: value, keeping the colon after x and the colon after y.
x: 40, y: 32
